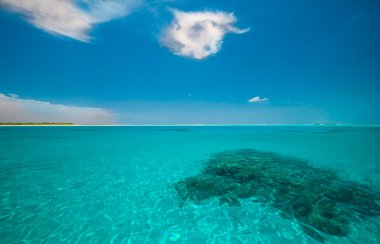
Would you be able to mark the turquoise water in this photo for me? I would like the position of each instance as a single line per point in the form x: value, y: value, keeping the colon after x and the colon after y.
x: 115, y: 184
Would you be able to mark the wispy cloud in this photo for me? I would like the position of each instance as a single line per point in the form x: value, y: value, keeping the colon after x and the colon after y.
x: 70, y: 18
x: 258, y: 99
x: 198, y: 34
x: 15, y: 109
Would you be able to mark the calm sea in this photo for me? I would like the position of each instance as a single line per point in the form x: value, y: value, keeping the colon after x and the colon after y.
x: 89, y: 184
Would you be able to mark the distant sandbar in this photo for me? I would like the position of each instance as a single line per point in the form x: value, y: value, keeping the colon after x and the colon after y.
x: 35, y: 123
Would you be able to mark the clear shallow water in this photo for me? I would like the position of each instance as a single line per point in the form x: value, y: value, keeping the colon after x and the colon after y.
x: 115, y: 184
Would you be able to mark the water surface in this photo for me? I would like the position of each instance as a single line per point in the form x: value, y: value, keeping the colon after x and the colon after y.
x: 115, y: 184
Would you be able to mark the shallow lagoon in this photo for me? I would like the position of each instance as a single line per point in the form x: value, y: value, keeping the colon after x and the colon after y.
x: 117, y: 184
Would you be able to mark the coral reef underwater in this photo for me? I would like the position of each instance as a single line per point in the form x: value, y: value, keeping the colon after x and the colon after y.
x: 319, y: 199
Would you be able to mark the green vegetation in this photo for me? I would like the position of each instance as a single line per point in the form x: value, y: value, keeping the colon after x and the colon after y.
x: 35, y: 123
x: 320, y: 200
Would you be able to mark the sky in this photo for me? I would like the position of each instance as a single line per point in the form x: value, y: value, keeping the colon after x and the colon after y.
x: 190, y: 62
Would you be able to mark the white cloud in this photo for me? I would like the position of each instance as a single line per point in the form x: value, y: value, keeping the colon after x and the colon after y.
x: 106, y: 10
x: 198, y: 34
x: 14, y: 109
x: 258, y: 99
x: 70, y: 18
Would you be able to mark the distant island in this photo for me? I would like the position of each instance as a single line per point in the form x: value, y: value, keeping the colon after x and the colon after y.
x: 35, y: 123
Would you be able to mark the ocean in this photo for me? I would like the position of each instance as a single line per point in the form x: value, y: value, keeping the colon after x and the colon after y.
x: 120, y: 184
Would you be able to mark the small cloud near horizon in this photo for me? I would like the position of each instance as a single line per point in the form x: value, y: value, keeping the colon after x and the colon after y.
x: 15, y: 109
x: 70, y: 18
x: 258, y: 99
x: 198, y: 34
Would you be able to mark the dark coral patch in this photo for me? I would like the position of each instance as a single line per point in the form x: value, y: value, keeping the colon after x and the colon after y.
x: 318, y: 198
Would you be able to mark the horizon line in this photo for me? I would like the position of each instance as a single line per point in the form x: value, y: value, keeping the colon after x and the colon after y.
x: 148, y: 125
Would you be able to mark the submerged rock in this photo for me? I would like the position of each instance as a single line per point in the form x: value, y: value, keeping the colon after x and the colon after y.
x: 318, y: 198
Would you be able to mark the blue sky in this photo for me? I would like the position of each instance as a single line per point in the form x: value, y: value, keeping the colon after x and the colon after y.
x: 163, y: 62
